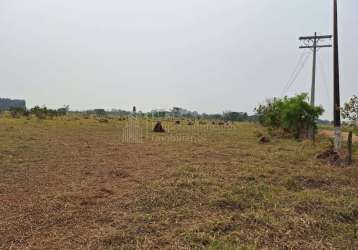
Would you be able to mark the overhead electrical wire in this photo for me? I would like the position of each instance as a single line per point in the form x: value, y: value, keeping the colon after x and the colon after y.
x: 325, y: 81
x: 294, y: 70
x: 298, y: 69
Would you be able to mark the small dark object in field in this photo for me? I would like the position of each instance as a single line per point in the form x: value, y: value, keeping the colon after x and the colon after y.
x: 326, y: 154
x: 119, y: 173
x: 331, y: 156
x: 103, y: 120
x: 190, y: 123
x: 202, y: 123
x: 264, y: 139
x: 158, y: 128
x: 213, y: 123
x: 177, y: 122
x: 221, y: 123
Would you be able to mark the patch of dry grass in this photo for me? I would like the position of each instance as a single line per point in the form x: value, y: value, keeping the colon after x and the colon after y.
x: 74, y: 184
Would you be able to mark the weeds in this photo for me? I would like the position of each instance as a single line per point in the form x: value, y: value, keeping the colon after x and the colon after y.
x: 72, y: 183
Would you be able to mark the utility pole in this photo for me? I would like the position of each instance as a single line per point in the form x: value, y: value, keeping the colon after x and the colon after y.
x: 312, y: 42
x: 313, y: 85
x: 336, y: 98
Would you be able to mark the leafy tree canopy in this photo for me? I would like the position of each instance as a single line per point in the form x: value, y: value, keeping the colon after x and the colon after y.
x: 292, y: 114
x: 350, y: 109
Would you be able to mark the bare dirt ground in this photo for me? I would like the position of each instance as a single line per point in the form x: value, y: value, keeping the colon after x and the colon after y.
x: 74, y: 184
x: 330, y: 133
x: 68, y: 182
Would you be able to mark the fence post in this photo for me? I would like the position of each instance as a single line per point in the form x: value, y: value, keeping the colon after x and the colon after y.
x: 350, y: 135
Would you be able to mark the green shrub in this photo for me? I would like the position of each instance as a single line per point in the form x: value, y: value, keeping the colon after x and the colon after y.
x: 44, y: 112
x: 293, y: 115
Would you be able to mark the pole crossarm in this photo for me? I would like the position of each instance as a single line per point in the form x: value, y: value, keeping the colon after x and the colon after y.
x: 315, y: 37
x: 312, y: 42
x: 318, y: 46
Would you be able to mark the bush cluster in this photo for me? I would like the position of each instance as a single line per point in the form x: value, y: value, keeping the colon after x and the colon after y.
x: 39, y: 112
x: 293, y: 115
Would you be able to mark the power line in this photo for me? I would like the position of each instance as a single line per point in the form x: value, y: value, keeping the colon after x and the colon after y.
x: 325, y: 80
x: 312, y: 42
x: 296, y: 74
x: 294, y: 71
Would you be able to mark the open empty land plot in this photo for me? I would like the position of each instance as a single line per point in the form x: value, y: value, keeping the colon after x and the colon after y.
x: 78, y: 184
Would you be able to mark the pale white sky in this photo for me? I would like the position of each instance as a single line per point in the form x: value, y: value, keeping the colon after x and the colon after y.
x: 202, y: 55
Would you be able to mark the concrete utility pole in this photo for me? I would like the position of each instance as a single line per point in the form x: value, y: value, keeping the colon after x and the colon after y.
x: 312, y: 42
x: 336, y: 98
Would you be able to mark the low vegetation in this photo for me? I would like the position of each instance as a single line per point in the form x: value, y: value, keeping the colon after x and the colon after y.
x: 350, y: 111
x: 37, y: 111
x: 292, y: 115
x: 70, y: 183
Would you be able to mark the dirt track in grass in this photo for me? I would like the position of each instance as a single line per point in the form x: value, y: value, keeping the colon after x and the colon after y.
x: 330, y: 133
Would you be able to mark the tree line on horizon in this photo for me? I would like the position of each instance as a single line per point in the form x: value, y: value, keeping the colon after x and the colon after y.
x: 272, y: 113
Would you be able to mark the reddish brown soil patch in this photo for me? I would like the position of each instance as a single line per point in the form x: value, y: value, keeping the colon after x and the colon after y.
x: 330, y: 133
x: 75, y: 190
x: 332, y: 157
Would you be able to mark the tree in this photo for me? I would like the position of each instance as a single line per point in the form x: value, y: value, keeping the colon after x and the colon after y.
x: 99, y: 112
x: 63, y: 111
x: 39, y: 112
x: 44, y: 112
x: 294, y: 115
x: 235, y: 116
x: 350, y: 109
x: 176, y: 111
x: 18, y: 111
x: 269, y: 114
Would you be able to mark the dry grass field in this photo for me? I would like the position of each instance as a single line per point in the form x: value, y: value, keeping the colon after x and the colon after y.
x: 76, y: 184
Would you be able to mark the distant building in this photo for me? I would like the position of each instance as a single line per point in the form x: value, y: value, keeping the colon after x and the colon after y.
x: 6, y: 104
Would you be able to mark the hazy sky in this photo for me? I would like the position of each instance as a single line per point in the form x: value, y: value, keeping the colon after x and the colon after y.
x: 203, y: 55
